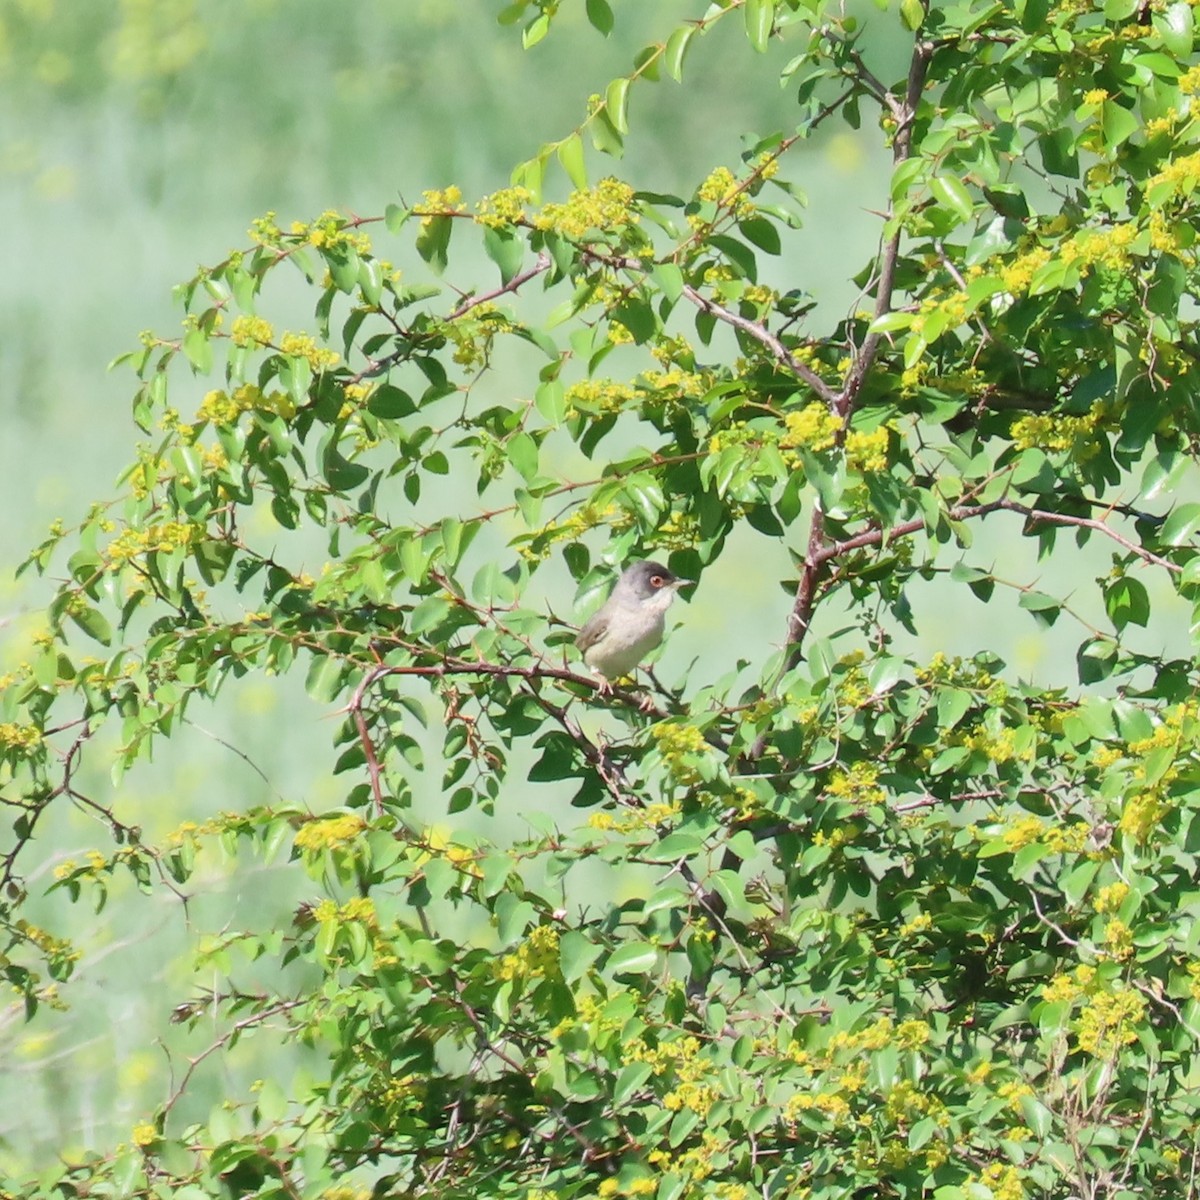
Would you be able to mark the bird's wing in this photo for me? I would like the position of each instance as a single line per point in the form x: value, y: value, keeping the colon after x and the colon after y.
x: 592, y: 632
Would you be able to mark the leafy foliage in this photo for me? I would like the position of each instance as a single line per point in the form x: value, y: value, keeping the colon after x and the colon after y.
x: 838, y: 924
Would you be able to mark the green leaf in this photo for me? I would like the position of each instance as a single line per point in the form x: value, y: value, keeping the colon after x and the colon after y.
x: 1127, y: 603
x: 1180, y: 525
x: 676, y: 50
x: 433, y: 241
x: 576, y: 954
x: 535, y: 31
x: 523, y: 454
x: 616, y: 99
x: 763, y: 233
x: 1176, y: 26
x: 600, y: 15
x: 506, y: 249
x: 605, y: 135
x: 633, y: 1075
x: 571, y: 157
x: 198, y: 350
x: 551, y: 401
x: 952, y: 706
x: 633, y: 958
x: 326, y: 678
x: 760, y: 19
x: 1118, y: 123
x: 951, y: 193
x: 93, y: 622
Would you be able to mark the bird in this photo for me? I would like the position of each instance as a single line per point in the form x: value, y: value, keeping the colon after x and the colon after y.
x: 630, y: 623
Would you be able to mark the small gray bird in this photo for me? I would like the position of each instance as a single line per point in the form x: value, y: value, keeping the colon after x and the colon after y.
x: 629, y: 624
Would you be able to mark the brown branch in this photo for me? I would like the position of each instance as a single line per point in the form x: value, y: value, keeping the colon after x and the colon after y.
x: 360, y: 723
x: 477, y: 1024
x: 763, y: 335
x: 901, y: 151
x: 842, y: 404
x: 238, y: 1027
x: 379, y: 366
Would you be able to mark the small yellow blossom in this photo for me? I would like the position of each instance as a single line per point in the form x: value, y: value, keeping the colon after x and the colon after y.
x: 813, y: 427
x: 144, y: 1135
x: 328, y: 833
x: 251, y: 332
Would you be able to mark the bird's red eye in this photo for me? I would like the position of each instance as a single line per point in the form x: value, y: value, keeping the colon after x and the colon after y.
x: 657, y: 581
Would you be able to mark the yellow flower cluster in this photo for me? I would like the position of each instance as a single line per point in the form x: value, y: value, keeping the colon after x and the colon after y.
x: 843, y: 835
x: 876, y: 1036
x: 1118, y: 939
x: 439, y: 202
x: 573, y: 527
x: 858, y: 785
x: 1189, y: 81
x: 1108, y: 1021
x: 677, y: 532
x: 676, y: 742
x: 1018, y: 274
x: 536, y: 957
x: 23, y: 738
x: 301, y: 345
x: 919, y: 924
x: 1180, y: 175
x: 472, y: 336
x: 676, y: 382
x: 600, y: 396
x: 221, y: 408
x: 1001, y: 1179
x: 96, y: 862
x: 144, y: 1135
x: 650, y: 817
x: 604, y: 208
x: 1163, y: 124
x: 643, y: 1185
x: 831, y: 1104
x: 867, y: 451
x: 1068, y: 988
x: 329, y: 232
x: 739, y: 433
x: 1163, y: 236
x: 1110, y: 897
x: 905, y: 1103
x: 328, y: 833
x: 696, y: 1097
x: 1178, y: 733
x: 1141, y: 815
x: 264, y: 231
x: 952, y: 306
x: 1193, y: 970
x: 361, y: 908
x: 1059, y: 839
x: 1095, y: 96
x: 723, y: 189
x: 1059, y: 432
x: 999, y: 747
x: 1108, y: 248
x: 618, y: 334
x: 505, y: 207
x: 58, y: 949
x: 251, y: 331
x: 813, y: 426
x: 760, y: 296
x: 154, y: 539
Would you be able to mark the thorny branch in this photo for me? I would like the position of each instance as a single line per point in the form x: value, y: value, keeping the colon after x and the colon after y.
x: 842, y: 405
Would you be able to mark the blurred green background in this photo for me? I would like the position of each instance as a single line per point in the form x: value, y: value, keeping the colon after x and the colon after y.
x: 142, y: 138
